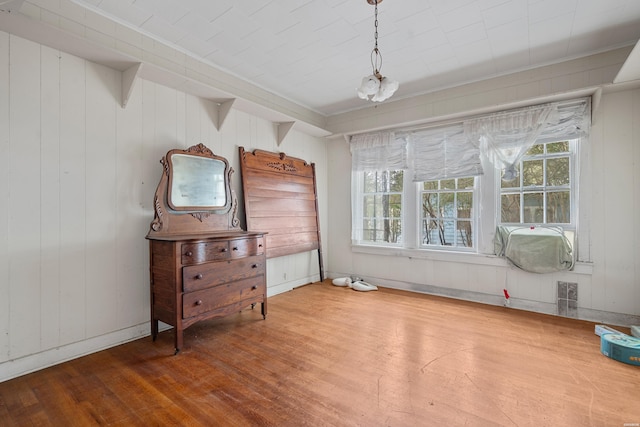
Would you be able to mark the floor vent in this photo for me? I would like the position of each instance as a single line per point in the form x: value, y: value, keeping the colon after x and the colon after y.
x: 568, y: 299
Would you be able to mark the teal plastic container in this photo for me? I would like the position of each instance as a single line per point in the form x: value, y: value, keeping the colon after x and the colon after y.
x: 621, y: 347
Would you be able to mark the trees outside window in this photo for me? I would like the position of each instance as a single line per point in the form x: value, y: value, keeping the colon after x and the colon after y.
x: 382, y: 206
x: 447, y: 212
x: 542, y: 191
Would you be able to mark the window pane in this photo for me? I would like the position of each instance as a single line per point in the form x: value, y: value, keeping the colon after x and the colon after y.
x: 558, y: 171
x: 379, y: 181
x: 447, y: 205
x: 559, y: 207
x: 443, y: 205
x: 382, y: 206
x: 395, y: 181
x: 536, y: 149
x: 430, y: 205
x: 449, y: 234
x: 395, y: 202
x: 395, y: 231
x: 510, y: 208
x: 465, y: 204
x: 465, y: 183
x: 558, y: 147
x: 448, y: 184
x: 368, y: 207
x: 532, y: 173
x: 393, y: 206
x: 370, y: 182
x: 430, y: 185
x: 533, y: 208
x: 465, y: 235
x: 382, y: 183
x: 431, y: 232
x: 367, y: 229
x: 382, y: 230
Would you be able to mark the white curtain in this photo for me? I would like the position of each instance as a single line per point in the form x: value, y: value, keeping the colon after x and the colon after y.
x: 567, y: 120
x: 443, y: 152
x: 506, y: 136
x: 378, y: 151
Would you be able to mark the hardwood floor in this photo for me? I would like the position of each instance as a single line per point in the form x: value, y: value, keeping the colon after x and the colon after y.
x: 331, y: 356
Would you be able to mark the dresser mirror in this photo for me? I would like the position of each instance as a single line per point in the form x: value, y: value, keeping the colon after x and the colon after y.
x: 194, y: 194
x: 196, y: 182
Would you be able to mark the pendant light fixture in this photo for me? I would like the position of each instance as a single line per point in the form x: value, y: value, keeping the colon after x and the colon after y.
x: 375, y: 87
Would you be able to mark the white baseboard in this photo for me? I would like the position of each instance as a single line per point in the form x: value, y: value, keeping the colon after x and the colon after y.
x: 35, y: 362
x: 290, y: 285
x: 14, y: 368
x: 590, y: 315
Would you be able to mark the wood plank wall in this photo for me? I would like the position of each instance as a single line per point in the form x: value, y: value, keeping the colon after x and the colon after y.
x: 77, y: 178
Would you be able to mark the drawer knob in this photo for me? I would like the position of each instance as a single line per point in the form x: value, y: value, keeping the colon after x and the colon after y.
x: 223, y: 250
x: 254, y: 266
x: 235, y: 248
x: 254, y: 287
x: 189, y: 253
x: 260, y: 245
x: 199, y: 276
x: 199, y: 302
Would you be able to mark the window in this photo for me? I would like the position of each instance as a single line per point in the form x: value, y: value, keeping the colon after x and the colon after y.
x: 382, y: 206
x: 541, y: 193
x: 447, y: 212
x: 437, y: 187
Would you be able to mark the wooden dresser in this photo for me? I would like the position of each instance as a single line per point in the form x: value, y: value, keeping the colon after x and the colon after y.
x: 202, y: 265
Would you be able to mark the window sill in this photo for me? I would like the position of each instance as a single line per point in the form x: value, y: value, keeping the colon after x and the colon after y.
x: 432, y: 254
x: 451, y: 256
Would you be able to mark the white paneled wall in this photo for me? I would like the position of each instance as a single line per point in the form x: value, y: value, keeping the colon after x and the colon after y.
x: 609, y: 233
x: 77, y: 178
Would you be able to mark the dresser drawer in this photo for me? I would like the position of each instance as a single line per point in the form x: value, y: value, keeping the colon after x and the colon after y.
x: 217, y: 297
x: 245, y: 247
x: 196, y: 253
x: 196, y: 277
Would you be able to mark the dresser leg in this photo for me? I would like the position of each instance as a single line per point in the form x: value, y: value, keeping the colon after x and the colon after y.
x: 264, y: 308
x: 178, y: 340
x: 154, y: 329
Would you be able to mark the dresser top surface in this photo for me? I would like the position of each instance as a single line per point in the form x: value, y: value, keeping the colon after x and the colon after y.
x: 221, y: 235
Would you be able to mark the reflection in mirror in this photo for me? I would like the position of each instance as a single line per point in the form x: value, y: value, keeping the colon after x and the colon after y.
x: 197, y: 183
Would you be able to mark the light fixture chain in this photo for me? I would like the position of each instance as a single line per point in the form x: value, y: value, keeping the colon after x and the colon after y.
x: 376, y: 25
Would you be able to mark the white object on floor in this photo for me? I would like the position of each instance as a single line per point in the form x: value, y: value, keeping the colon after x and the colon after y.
x: 363, y: 286
x: 604, y: 329
x: 342, y: 281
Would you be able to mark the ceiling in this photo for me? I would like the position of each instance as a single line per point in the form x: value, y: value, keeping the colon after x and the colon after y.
x: 315, y: 52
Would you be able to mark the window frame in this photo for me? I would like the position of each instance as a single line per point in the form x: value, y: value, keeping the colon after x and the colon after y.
x: 361, y: 201
x: 472, y: 219
x: 411, y: 217
x: 573, y: 156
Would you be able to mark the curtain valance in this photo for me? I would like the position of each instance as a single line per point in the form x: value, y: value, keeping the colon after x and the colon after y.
x: 378, y: 151
x: 455, y: 150
x: 444, y: 152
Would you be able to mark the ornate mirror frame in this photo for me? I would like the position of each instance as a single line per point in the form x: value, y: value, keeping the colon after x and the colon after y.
x: 179, y: 205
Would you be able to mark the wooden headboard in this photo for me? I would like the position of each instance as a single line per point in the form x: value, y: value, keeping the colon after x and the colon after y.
x: 280, y: 198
